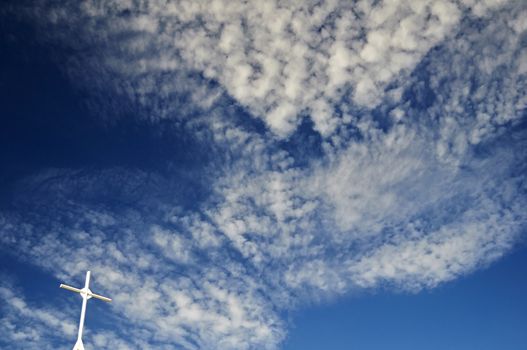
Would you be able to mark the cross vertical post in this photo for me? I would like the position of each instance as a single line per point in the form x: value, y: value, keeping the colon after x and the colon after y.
x: 84, y: 302
x: 86, y: 294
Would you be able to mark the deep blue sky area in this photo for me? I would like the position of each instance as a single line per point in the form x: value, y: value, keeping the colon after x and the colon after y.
x: 234, y: 187
x: 46, y: 122
x: 486, y: 310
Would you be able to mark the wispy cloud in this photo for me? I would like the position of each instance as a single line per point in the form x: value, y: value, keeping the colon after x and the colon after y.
x: 32, y: 325
x: 419, y: 177
x: 278, y: 60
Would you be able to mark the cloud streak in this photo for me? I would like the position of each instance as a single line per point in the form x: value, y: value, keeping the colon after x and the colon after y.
x: 280, y: 61
x: 418, y: 179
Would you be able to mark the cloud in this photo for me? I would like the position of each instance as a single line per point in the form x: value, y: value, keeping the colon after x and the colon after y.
x: 280, y: 61
x: 40, y: 325
x: 202, y: 304
x: 418, y: 176
x: 269, y: 239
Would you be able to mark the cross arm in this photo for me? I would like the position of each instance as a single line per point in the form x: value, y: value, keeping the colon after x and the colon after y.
x: 89, y: 293
x: 100, y: 297
x: 73, y: 289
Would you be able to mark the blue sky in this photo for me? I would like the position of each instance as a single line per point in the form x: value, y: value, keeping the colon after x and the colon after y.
x: 246, y: 175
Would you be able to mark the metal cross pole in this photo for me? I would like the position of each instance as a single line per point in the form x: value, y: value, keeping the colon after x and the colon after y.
x: 86, y: 294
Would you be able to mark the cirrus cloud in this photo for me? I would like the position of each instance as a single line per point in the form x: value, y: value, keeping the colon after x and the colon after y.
x: 418, y: 176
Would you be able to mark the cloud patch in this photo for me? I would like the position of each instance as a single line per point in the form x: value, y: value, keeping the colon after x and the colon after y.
x: 418, y: 177
x: 280, y: 61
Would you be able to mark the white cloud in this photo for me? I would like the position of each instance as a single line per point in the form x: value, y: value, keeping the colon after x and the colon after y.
x: 278, y: 60
x: 435, y: 193
x: 24, y: 323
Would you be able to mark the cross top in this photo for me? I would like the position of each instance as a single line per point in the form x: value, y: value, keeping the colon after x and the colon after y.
x: 86, y: 294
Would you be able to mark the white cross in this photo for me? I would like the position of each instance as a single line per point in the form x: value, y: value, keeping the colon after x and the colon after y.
x: 86, y: 294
